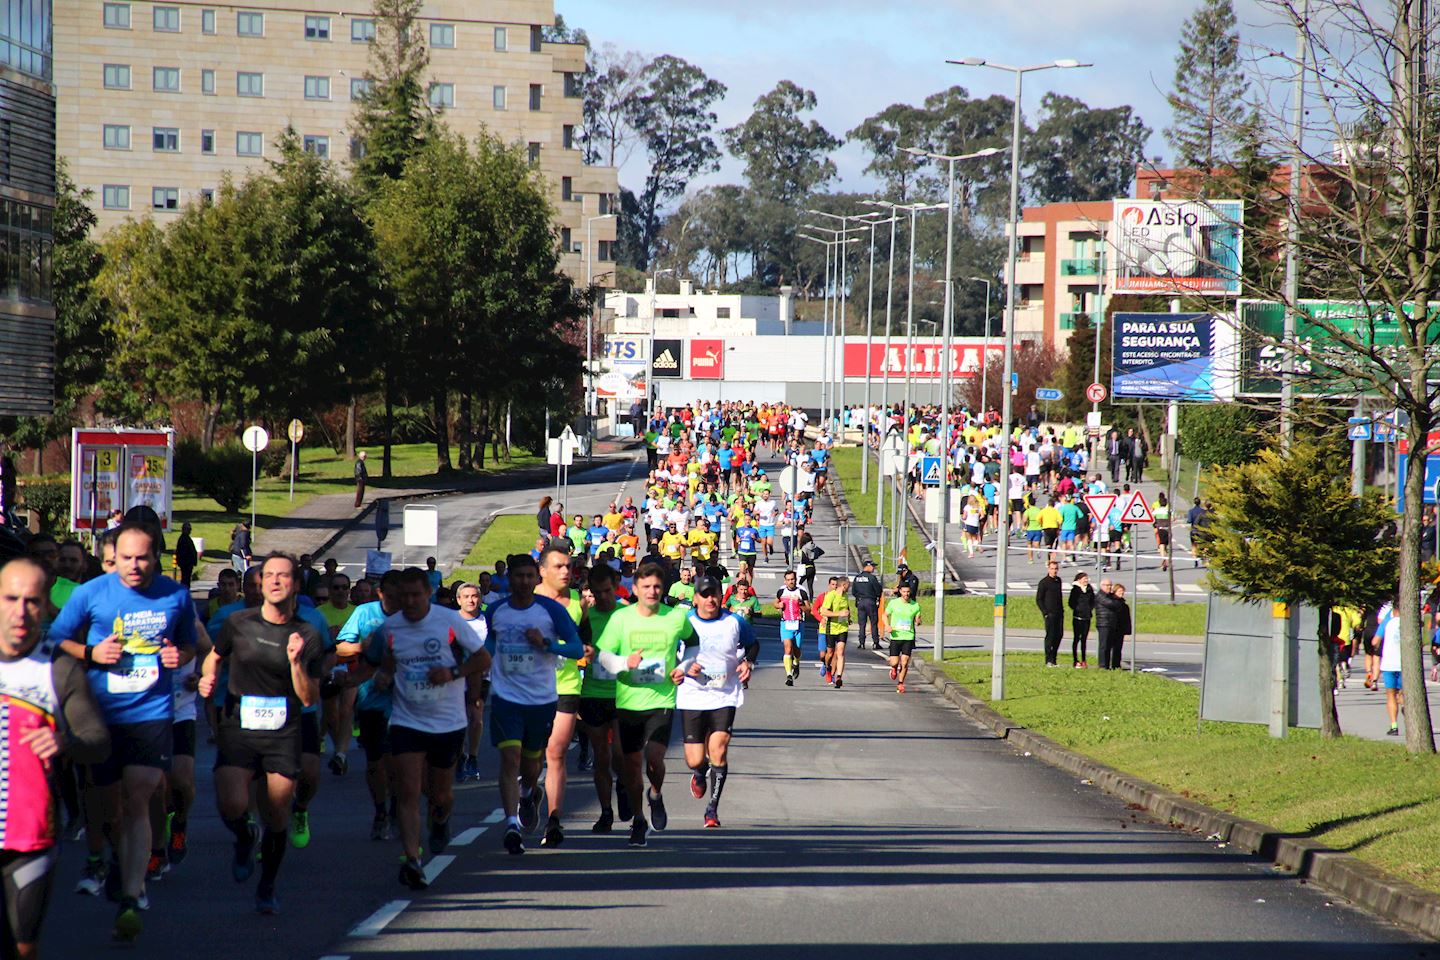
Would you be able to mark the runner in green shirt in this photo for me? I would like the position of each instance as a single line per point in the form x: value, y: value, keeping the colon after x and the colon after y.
x: 1034, y: 533
x: 597, y: 703
x: 899, y: 618
x: 640, y: 645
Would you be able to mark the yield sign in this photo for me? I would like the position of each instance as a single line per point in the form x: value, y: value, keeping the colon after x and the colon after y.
x: 1100, y: 505
x: 1137, y: 510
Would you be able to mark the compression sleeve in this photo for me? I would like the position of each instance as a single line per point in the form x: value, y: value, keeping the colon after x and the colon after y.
x: 613, y: 662
x: 748, y: 640
x: 87, y: 739
x: 567, y: 643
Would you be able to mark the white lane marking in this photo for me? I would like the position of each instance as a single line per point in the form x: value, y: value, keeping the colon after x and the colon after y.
x: 495, y: 816
x: 977, y: 585
x: 878, y: 666
x: 1018, y: 584
x: 379, y: 920
x: 437, y: 866
x: 1149, y: 588
x: 1187, y: 679
x: 466, y: 837
x: 1190, y: 588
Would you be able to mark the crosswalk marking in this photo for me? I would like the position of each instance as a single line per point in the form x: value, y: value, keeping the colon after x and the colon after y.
x: 976, y: 585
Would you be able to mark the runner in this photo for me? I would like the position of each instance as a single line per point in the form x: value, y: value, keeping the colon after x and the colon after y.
x: 49, y: 712
x: 792, y: 601
x: 640, y: 645
x: 372, y: 704
x: 597, y: 705
x: 423, y: 653
x: 898, y: 620
x: 133, y: 631
x: 477, y: 688
x: 339, y: 703
x: 681, y: 593
x: 555, y: 578
x: 836, y: 612
x: 276, y: 661
x: 527, y: 633
x: 714, y: 674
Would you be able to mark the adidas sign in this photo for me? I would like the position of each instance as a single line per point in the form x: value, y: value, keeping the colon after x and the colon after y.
x: 666, y: 361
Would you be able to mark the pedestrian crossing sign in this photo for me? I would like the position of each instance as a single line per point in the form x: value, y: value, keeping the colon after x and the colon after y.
x: 1360, y: 431
x: 930, y: 471
x: 1137, y: 510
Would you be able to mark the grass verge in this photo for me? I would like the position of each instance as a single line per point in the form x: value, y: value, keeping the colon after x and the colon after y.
x: 847, y: 467
x: 1179, y: 619
x: 507, y: 534
x: 1361, y: 797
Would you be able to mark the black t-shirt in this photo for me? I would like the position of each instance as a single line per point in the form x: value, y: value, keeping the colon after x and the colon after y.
x: 255, y: 650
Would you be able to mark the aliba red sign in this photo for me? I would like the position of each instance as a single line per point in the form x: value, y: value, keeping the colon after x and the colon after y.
x: 923, y: 361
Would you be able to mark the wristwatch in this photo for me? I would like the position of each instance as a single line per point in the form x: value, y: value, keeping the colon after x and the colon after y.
x: 454, y: 673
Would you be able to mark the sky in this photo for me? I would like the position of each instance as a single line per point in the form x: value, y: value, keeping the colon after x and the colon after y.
x: 860, y: 56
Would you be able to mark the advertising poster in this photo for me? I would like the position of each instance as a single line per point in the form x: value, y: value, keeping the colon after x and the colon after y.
x: 707, y: 359
x: 668, y: 356
x: 622, y: 369
x: 926, y: 361
x: 148, y: 484
x: 99, y: 486
x: 1174, y: 247
x: 1164, y: 356
x: 117, y: 469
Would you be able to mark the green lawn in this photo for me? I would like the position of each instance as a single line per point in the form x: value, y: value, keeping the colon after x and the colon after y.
x: 1363, y: 797
x: 1180, y: 619
x: 506, y: 534
x: 847, y: 467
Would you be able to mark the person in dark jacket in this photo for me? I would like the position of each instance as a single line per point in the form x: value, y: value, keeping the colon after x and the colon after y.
x: 1104, y: 619
x: 867, y: 591
x: 1050, y: 600
x: 542, y: 516
x: 1082, y: 608
x: 186, y: 556
x: 1112, y: 619
x: 905, y: 576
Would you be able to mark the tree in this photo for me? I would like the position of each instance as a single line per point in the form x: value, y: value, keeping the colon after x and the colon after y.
x: 1078, y: 371
x: 612, y: 79
x: 394, y: 118
x: 1287, y: 530
x: 671, y: 115
x: 884, y: 136
x: 1079, y: 153
x: 1210, y: 98
x: 1221, y: 434
x: 1036, y: 366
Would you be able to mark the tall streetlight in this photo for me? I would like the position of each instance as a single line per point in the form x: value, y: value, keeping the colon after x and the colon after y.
x: 947, y: 367
x: 885, y: 386
x: 650, y: 353
x: 589, y: 325
x: 844, y: 297
x: 1002, y: 554
x: 985, y: 351
x: 826, y: 388
x: 837, y: 318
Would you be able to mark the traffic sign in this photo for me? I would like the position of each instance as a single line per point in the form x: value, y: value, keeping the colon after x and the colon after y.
x: 1384, y: 432
x: 295, y: 431
x: 1137, y: 510
x: 1049, y: 394
x: 1359, y: 431
x: 1014, y: 382
x: 255, y: 439
x: 1100, y: 505
x: 1096, y: 393
x: 930, y: 471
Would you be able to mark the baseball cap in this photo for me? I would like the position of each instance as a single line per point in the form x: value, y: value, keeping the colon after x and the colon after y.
x: 707, y: 584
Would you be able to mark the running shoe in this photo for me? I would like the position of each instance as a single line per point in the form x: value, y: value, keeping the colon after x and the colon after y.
x: 623, y: 812
x: 586, y: 764
x: 156, y: 868
x: 658, y: 816
x: 530, y: 810
x: 472, y: 769
x: 143, y: 901
x: 75, y: 829
x: 244, y: 865
x: 789, y: 680
x: 179, y: 847
x: 266, y: 902
x: 412, y: 874
x: 606, y: 823
x: 380, y: 828
x: 697, y: 786
x: 300, y: 829
x: 554, y: 833
x: 1393, y: 732
x: 638, y: 830
x: 514, y: 841
x: 839, y: 682
x: 439, y: 835
x: 461, y: 768
x: 900, y: 688
x: 127, y: 921
x: 92, y: 879
x: 894, y: 672
x: 339, y: 763
x: 712, y: 816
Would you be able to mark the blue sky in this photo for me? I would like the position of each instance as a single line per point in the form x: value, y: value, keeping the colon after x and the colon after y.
x: 860, y: 56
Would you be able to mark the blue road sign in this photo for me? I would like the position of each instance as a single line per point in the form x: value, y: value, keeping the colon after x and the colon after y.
x: 1432, y: 479
x: 1014, y: 382
x: 930, y: 471
x: 1360, y: 431
x: 1049, y: 393
x: 1384, y: 432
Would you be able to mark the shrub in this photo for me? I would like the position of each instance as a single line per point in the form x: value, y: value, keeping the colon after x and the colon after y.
x: 222, y: 473
x: 49, y: 501
x: 1223, y: 434
x: 274, y: 460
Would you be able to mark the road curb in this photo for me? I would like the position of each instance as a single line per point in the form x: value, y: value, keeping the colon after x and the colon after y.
x: 1363, y: 884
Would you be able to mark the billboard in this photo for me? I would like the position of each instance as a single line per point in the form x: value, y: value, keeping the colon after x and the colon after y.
x: 117, y: 469
x: 668, y: 354
x: 924, y: 361
x: 1164, y: 356
x: 622, y: 369
x: 707, y: 359
x: 1176, y: 247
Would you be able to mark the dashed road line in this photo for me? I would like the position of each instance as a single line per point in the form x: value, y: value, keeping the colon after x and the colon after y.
x: 379, y: 920
x: 495, y: 816
x: 466, y: 837
x: 437, y: 865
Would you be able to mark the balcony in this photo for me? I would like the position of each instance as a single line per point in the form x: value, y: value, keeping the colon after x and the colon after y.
x: 1088, y: 267
x: 1068, y: 320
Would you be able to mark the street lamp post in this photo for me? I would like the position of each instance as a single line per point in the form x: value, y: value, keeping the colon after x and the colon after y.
x: 590, y: 399
x: 829, y: 366
x: 843, y: 294
x: 1002, y: 553
x: 985, y: 352
x: 650, y: 353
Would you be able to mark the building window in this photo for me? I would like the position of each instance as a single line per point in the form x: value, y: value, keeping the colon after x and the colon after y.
x: 115, y: 196
x: 604, y: 200
x: 249, y: 144
x: 565, y: 243
x: 362, y: 31
x: 605, y: 251
x: 722, y: 313
x: 207, y: 195
x: 442, y: 35
x: 165, y: 198
x: 572, y: 85
x: 357, y: 148
x: 502, y: 40
x: 535, y: 37
x: 317, y: 28
x: 442, y: 95
x: 360, y: 87
x: 117, y: 76
x: 207, y: 21
x: 249, y: 24
x: 533, y: 152
x: 207, y: 82
x: 117, y: 136
x: 498, y: 98
x: 117, y: 16
x: 536, y: 90
x: 317, y: 88
x: 166, y: 79
x: 250, y: 84
x: 165, y: 140
x: 567, y: 136
x: 567, y: 188
x: 320, y: 146
x: 166, y: 19
x: 207, y: 141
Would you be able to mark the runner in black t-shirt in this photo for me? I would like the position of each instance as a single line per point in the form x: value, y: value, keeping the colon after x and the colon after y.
x: 275, y: 663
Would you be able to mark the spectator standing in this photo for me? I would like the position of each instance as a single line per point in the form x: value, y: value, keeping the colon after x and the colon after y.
x: 1104, y: 621
x: 1052, y: 608
x: 1082, y: 608
x: 361, y: 475
x: 542, y: 516
x: 1120, y: 624
x: 186, y: 556
x: 240, y: 547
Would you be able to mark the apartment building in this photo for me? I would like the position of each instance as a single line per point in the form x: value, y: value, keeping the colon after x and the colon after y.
x: 1060, y: 269
x: 158, y: 100
x: 27, y: 208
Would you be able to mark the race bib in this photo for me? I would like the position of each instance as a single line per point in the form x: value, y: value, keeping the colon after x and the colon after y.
x: 790, y: 625
x: 142, y: 674
x: 651, y: 671
x: 711, y: 681
x: 520, y: 660
x: 262, y: 713
x: 419, y: 689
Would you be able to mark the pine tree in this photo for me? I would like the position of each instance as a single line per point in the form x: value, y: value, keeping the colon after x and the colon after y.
x: 393, y: 118
x: 1209, y: 98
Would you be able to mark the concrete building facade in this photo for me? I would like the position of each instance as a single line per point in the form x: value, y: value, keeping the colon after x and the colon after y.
x: 1060, y: 270
x: 158, y: 101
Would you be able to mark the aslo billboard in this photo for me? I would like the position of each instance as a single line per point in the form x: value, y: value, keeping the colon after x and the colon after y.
x: 1177, y: 247
x: 1261, y: 361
